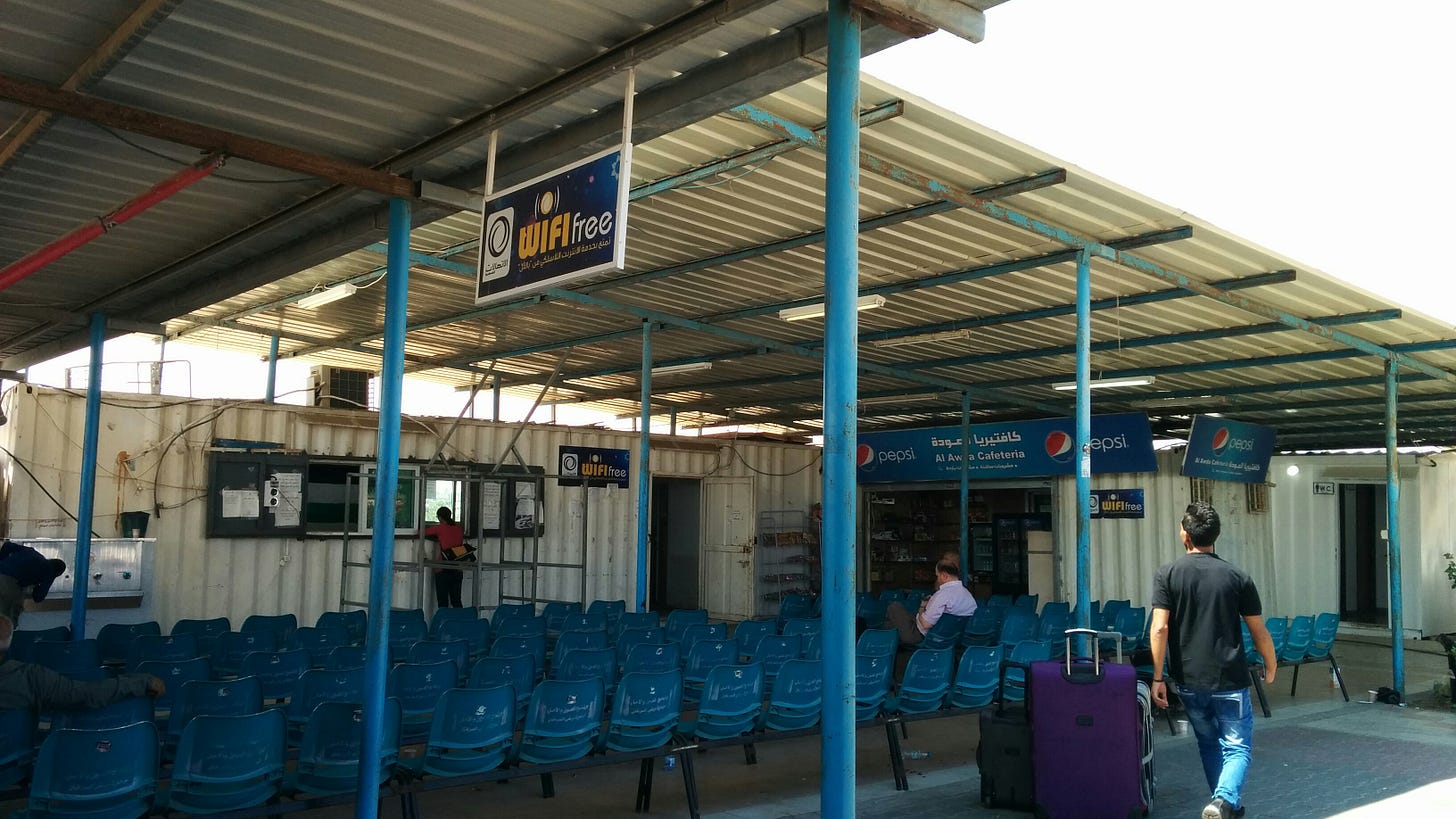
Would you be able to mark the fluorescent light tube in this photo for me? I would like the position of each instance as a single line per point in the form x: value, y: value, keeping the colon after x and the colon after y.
x: 1100, y: 383
x: 319, y: 298
x: 923, y: 338
x: 900, y: 399
x: 809, y: 311
x: 691, y: 367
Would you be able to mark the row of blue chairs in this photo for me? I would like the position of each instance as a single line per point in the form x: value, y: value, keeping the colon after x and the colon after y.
x: 1299, y: 641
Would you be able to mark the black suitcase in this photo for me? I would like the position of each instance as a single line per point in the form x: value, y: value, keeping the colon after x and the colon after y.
x: 1004, y: 755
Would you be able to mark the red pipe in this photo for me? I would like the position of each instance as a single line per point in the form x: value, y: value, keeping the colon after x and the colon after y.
x: 91, y: 230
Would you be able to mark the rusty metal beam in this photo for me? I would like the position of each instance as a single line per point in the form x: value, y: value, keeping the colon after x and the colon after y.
x: 182, y: 132
x: 143, y: 18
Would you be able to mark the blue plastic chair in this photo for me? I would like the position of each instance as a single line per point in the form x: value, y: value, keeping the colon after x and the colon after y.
x: 648, y: 657
x: 1025, y: 652
x: 872, y: 677
x: 891, y: 596
x: 1296, y: 640
x: 1321, y: 649
x: 508, y: 611
x: 777, y: 649
x: 517, y: 672
x: 114, y: 639
x: 576, y: 640
x: 116, y: 715
x: 106, y: 774
x: 555, y: 614
x: 679, y: 620
x: 871, y: 611
x: 355, y: 622
x: 796, y: 698
x: 228, y: 763
x: 443, y: 616
x: 174, y: 674
x: 585, y: 621
x: 534, y: 647
x: 813, y: 648
x: 731, y: 703
x: 1027, y: 602
x: 945, y: 633
x: 645, y: 711
x: 417, y: 688
x: 276, y: 671
x: 1278, y: 630
x: 415, y: 615
x: 632, y: 620
x: 17, y: 746
x: 999, y: 601
x: 475, y: 633
x: 611, y: 609
x: 22, y: 643
x: 282, y: 626
x: 563, y: 721
x: 1020, y: 625
x: 878, y: 642
x: 344, y: 658
x: 218, y: 698
x: 1132, y: 623
x: 977, y: 679
x: 983, y: 629
x: 520, y: 627
x: 333, y: 745
x: 434, y: 651
x: 72, y: 657
x: 319, y: 642
x: 472, y: 732
x: 589, y: 664
x: 230, y: 649
x: 912, y: 598
x: 173, y: 648
x: 698, y: 632
x: 1056, y: 607
x: 701, y: 659
x: 1110, y: 608
x: 632, y: 638
x: 1053, y: 629
x: 795, y: 605
x: 318, y: 686
x: 802, y: 626
x: 404, y: 632
x: 925, y: 683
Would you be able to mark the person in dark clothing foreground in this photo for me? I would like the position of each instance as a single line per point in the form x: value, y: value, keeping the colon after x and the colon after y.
x: 21, y: 568
x: 34, y: 688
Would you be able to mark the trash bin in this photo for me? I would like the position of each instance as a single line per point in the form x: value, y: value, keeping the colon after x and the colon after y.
x: 134, y: 524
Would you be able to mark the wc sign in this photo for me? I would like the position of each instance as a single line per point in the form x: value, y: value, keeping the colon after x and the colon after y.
x: 593, y: 466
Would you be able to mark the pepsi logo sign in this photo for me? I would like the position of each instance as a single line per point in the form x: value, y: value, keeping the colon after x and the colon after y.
x: 1059, y: 446
x: 1223, y: 440
x: 864, y: 455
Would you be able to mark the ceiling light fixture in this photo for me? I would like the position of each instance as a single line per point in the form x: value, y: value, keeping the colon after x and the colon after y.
x: 1103, y: 383
x: 319, y: 298
x: 900, y: 399
x: 922, y: 338
x: 690, y: 367
x: 808, y: 311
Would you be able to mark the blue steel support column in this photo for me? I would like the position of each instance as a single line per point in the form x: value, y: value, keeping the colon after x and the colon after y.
x: 269, y: 392
x: 386, y: 488
x: 966, y: 487
x: 1392, y: 526
x: 1084, y: 442
x: 495, y: 396
x: 86, y: 506
x: 644, y: 473
x: 841, y: 369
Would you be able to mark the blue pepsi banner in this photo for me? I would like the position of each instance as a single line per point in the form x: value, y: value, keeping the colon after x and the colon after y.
x: 1121, y: 442
x: 555, y: 228
x: 1227, y: 450
x: 593, y: 466
x: 1117, y: 503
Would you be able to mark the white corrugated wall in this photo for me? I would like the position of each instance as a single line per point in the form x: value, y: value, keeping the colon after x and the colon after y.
x: 1126, y: 552
x: 235, y: 577
x: 1438, y: 538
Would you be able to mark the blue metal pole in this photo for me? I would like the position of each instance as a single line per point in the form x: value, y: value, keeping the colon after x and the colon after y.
x: 644, y: 471
x: 86, y: 505
x: 495, y: 399
x: 269, y: 391
x: 1392, y: 525
x: 386, y: 489
x: 1084, y: 443
x: 966, y: 487
x: 841, y: 369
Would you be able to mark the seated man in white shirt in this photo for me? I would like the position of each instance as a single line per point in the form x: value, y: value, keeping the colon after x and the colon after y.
x: 950, y: 597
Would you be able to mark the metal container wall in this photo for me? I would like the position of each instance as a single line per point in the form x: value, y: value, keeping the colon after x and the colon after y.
x: 165, y: 441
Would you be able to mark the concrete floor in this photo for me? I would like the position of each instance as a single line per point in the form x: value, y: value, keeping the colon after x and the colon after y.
x: 1316, y: 757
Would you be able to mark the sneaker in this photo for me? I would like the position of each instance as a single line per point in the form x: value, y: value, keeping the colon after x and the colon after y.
x: 1218, y: 809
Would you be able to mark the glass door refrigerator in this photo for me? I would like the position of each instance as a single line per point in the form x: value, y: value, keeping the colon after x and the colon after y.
x: 1009, y: 574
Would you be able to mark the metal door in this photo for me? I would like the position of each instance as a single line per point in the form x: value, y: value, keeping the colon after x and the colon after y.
x: 726, y: 580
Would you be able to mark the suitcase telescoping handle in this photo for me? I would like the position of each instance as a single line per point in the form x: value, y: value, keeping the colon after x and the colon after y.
x: 1001, y: 684
x: 1096, y: 649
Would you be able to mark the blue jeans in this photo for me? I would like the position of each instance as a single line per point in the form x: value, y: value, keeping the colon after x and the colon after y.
x: 1223, y: 721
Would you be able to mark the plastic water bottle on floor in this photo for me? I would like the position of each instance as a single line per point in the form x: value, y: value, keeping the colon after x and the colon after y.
x: 669, y: 762
x: 916, y: 755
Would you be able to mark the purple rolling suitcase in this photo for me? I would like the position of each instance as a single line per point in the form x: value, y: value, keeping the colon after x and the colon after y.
x: 1086, y: 727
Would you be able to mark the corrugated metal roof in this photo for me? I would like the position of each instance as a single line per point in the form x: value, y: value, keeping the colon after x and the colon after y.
x: 1207, y: 356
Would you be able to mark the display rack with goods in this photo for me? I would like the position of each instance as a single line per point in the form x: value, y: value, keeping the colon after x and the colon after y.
x: 788, y: 557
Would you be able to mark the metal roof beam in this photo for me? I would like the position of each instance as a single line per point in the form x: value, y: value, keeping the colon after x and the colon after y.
x: 925, y: 184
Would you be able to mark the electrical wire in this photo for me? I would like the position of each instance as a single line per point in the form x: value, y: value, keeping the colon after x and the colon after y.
x: 42, y: 488
x: 174, y: 160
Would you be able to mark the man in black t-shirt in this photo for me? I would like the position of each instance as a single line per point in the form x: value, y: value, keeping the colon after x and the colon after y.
x: 1201, y: 600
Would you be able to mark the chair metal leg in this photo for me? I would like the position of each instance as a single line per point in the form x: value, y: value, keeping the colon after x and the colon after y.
x: 1258, y: 681
x: 548, y: 786
x: 750, y: 754
x: 1339, y: 675
x: 897, y: 760
x: 690, y: 783
x: 644, y: 784
x: 1294, y: 681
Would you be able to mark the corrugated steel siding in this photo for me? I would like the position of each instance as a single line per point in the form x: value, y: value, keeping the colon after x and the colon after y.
x: 1126, y: 553
x: 1438, y: 536
x: 201, y: 577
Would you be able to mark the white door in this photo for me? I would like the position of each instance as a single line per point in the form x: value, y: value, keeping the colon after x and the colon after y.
x: 726, y: 584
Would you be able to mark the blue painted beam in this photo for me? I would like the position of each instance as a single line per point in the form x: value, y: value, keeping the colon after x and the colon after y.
x: 86, y: 503
x: 965, y: 527
x: 1083, y: 427
x: 644, y: 466
x: 270, y: 388
x: 966, y: 199
x: 1392, y: 525
x: 421, y: 259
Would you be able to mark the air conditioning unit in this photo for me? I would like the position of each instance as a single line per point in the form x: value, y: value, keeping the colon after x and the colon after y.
x: 339, y: 388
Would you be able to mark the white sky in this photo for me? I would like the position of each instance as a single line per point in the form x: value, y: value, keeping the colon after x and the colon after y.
x: 1320, y: 129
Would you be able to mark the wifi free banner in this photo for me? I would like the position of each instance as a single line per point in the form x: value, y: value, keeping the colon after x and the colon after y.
x: 1120, y: 442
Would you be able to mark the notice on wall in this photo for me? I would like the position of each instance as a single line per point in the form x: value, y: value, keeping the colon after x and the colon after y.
x: 490, y: 505
x: 240, y: 503
x: 525, y: 505
x: 286, y: 498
